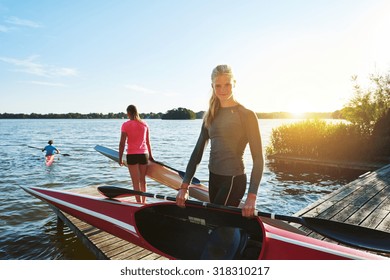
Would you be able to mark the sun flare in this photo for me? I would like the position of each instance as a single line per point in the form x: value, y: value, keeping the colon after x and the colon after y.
x: 299, y: 108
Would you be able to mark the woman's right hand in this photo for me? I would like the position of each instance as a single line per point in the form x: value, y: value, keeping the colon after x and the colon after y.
x: 182, y: 195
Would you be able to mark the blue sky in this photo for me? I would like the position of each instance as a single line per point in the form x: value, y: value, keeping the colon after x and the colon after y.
x: 100, y: 56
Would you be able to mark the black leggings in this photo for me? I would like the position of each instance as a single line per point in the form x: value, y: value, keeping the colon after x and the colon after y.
x: 226, y: 190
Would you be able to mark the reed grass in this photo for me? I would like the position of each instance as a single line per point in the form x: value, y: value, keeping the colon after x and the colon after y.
x: 318, y: 139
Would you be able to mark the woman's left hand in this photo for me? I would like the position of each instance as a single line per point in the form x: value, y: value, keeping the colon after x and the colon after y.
x: 182, y: 195
x: 250, y: 206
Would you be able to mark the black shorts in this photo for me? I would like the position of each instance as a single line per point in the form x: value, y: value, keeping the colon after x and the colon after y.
x: 137, y: 159
x: 227, y: 190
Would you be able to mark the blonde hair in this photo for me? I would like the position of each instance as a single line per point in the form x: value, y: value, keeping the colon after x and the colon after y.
x: 132, y: 110
x: 214, y: 103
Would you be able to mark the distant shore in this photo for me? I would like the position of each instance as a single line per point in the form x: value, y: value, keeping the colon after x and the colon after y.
x: 198, y: 115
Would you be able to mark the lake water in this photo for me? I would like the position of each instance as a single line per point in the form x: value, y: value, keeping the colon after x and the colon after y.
x: 28, y: 227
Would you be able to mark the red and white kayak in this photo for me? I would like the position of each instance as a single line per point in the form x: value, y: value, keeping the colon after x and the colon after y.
x: 194, y: 232
x: 49, y: 160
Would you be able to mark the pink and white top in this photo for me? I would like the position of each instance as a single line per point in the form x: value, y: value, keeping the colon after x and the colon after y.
x: 137, y: 136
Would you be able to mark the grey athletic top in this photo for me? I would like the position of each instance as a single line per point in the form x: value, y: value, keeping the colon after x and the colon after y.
x: 231, y: 130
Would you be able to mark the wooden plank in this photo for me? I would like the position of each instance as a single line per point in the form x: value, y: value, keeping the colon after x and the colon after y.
x: 385, y: 205
x: 113, y: 254
x: 385, y: 224
x: 93, y: 232
x: 142, y: 254
x: 345, y: 214
x: 97, y: 236
x: 373, y: 221
x: 355, y: 207
x: 332, y: 211
x: 317, y: 209
x: 129, y: 254
x: 112, y: 244
x: 105, y: 239
x: 365, y: 202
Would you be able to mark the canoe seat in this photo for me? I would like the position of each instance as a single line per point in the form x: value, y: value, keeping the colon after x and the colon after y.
x: 225, y: 243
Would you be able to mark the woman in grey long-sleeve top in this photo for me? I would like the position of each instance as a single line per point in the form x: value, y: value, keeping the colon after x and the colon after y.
x: 229, y: 127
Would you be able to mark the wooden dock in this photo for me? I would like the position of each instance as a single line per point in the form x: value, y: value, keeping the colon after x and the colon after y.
x: 365, y: 202
x: 340, y: 165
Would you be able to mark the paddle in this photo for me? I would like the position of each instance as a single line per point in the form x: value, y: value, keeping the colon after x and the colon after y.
x: 35, y: 148
x: 357, y: 236
x: 65, y: 155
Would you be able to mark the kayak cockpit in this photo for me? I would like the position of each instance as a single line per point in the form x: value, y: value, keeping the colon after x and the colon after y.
x: 197, y: 233
x: 225, y: 243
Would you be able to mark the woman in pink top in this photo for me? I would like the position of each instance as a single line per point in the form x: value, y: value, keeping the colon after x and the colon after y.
x: 139, y: 150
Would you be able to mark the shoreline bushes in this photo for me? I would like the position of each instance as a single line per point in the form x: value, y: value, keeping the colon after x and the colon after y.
x: 318, y: 139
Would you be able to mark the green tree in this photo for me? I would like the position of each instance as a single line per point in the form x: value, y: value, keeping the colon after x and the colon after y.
x: 179, y: 114
x: 380, y: 139
x: 368, y: 105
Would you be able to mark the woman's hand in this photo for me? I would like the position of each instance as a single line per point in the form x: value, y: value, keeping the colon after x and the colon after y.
x: 182, y: 195
x: 250, y: 206
x: 120, y: 162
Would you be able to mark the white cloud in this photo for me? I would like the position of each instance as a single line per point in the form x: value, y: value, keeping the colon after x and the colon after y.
x: 141, y: 89
x: 65, y: 72
x: 31, y: 66
x: 23, y: 22
x: 40, y: 83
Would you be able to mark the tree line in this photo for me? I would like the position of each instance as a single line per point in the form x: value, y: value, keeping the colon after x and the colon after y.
x: 175, y: 114
x: 179, y: 113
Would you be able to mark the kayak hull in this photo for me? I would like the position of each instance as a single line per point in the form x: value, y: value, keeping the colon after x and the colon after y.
x: 194, y: 232
x: 49, y: 160
x: 162, y: 174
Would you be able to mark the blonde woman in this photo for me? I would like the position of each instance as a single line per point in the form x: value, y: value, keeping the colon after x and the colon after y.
x: 139, y: 150
x: 229, y: 127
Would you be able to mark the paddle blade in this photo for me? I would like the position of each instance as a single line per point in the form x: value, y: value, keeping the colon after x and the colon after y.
x: 194, y: 180
x: 356, y: 236
x: 34, y: 147
x: 114, y: 192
